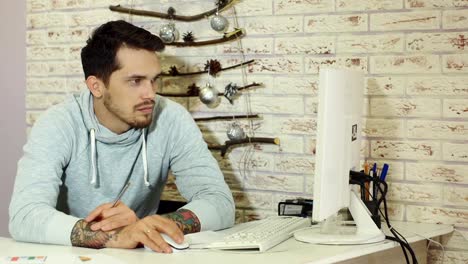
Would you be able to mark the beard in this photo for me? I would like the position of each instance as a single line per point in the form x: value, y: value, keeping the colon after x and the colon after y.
x: 132, y: 119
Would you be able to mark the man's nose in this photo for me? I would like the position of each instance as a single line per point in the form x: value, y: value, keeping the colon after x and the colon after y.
x: 149, y: 91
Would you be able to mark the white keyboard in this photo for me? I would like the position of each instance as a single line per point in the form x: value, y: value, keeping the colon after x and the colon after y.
x: 261, y: 234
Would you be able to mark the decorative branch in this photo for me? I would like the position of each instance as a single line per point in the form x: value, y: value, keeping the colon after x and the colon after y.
x: 137, y: 12
x: 174, y: 72
x: 247, y: 140
x: 237, y: 33
x: 193, y: 91
x: 245, y: 87
x: 200, y: 119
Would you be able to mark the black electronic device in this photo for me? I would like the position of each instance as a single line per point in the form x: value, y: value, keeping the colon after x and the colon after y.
x: 296, y: 207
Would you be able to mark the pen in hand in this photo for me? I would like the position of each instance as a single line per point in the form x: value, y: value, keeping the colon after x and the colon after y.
x: 121, y: 194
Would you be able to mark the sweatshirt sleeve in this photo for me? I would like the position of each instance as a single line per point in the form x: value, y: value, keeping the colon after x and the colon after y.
x: 198, y: 176
x: 32, y: 213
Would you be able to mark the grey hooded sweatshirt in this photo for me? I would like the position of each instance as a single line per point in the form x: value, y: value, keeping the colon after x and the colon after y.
x: 72, y: 164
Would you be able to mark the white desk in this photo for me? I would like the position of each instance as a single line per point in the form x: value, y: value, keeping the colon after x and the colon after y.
x: 288, y: 252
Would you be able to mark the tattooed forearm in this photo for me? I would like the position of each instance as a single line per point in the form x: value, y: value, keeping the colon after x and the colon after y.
x: 83, y: 236
x: 186, y: 220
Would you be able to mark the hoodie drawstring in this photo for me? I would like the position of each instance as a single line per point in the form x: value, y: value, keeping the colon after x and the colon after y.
x: 93, y: 157
x: 145, y: 161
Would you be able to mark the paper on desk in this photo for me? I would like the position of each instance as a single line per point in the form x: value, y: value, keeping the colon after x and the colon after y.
x: 61, y: 258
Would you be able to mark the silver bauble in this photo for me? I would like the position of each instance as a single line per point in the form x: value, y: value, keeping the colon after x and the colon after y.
x: 219, y: 23
x: 208, y: 95
x: 235, y: 132
x: 168, y: 33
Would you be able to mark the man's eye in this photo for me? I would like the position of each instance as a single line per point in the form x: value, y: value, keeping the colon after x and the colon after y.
x: 135, y: 82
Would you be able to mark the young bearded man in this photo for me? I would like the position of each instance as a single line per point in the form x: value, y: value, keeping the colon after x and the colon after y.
x: 81, y: 154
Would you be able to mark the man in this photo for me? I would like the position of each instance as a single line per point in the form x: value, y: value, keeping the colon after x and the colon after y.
x: 81, y: 154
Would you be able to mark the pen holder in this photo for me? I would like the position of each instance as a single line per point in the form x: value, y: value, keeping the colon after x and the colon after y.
x: 360, y: 178
x: 372, y: 206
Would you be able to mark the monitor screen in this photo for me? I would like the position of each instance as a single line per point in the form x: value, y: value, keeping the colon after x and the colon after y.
x: 338, y: 140
x: 338, y: 145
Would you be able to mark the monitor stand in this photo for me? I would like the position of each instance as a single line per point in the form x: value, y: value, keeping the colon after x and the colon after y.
x: 366, y: 232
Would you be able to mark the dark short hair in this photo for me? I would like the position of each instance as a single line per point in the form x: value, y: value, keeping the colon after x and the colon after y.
x: 98, y: 57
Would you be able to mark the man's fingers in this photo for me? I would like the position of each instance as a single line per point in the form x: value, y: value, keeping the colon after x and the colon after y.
x: 156, y: 242
x: 147, y: 235
x: 108, y: 213
x: 116, y: 220
x: 97, y: 212
x: 166, y: 226
x: 111, y: 225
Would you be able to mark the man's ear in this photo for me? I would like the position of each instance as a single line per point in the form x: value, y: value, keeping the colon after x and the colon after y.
x: 95, y: 86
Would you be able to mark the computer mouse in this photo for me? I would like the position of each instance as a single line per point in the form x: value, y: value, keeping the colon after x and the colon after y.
x: 172, y: 243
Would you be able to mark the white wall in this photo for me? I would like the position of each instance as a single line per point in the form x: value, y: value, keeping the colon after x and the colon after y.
x: 12, y: 105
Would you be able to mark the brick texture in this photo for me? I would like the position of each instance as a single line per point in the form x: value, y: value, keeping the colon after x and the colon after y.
x: 414, y: 55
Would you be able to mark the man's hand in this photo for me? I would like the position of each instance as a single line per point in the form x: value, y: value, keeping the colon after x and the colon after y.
x: 145, y: 231
x: 106, y: 218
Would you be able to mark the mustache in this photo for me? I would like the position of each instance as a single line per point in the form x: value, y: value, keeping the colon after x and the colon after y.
x: 145, y: 103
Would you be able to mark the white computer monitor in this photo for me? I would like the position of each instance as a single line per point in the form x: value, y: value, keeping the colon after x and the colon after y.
x: 338, y: 145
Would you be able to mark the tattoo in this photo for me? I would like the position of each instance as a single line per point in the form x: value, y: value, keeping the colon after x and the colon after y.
x: 186, y: 220
x: 83, y: 236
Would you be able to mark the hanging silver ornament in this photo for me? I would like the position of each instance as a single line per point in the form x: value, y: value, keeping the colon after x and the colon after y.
x: 235, y: 132
x: 208, y: 95
x: 169, y: 33
x: 219, y: 23
x: 230, y: 91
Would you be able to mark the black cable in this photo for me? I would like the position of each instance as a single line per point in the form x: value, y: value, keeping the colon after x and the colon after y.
x: 403, y: 243
x: 359, y: 178
x: 385, y: 216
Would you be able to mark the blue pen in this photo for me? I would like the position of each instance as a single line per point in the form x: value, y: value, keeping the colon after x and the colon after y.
x: 374, y: 170
x: 383, y: 174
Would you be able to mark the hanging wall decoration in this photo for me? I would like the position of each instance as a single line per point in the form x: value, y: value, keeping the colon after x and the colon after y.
x: 220, y: 5
x: 235, y: 132
x: 173, y: 71
x: 194, y: 91
x: 228, y: 36
x: 168, y: 32
x: 208, y: 94
x: 247, y: 140
x: 225, y: 117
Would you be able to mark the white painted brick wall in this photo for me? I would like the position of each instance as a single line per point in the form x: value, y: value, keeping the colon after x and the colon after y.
x: 415, y: 193
x: 301, y: 6
x: 436, y: 172
x: 455, y: 108
x: 405, y: 20
x: 405, y: 64
x: 454, y: 19
x: 438, y: 85
x: 370, y: 43
x: 414, y: 56
x: 305, y: 45
x: 336, y: 23
x: 434, y: 3
x: 361, y: 5
x: 436, y: 42
x: 405, y: 107
x: 455, y: 63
